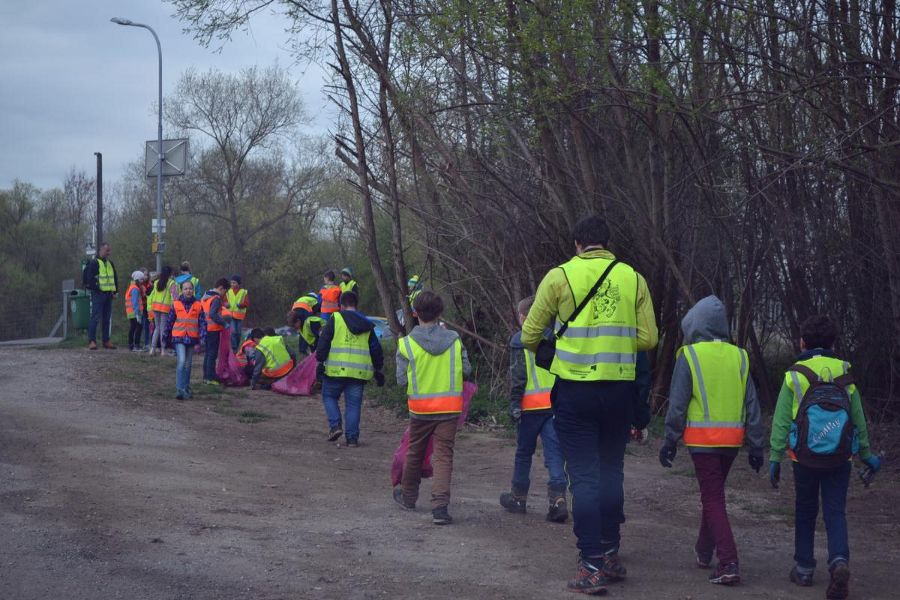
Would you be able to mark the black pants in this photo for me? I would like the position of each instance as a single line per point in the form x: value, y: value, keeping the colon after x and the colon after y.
x: 134, y: 333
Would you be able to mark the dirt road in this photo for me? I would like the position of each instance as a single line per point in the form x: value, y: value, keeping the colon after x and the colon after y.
x: 109, y: 488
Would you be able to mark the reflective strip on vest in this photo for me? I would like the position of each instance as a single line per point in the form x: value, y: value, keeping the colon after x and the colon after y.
x: 331, y: 299
x: 234, y: 308
x: 129, y: 309
x: 348, y: 286
x: 278, y: 361
x: 728, y: 376
x: 307, y: 303
x: 538, y: 383
x: 160, y: 301
x: 349, y: 353
x: 211, y: 325
x: 437, y: 387
x: 187, y: 323
x: 106, y: 276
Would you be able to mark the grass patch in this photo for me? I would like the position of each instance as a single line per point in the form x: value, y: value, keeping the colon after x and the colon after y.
x: 243, y: 416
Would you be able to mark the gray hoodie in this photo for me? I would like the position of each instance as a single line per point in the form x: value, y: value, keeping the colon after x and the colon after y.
x: 705, y: 322
x: 435, y: 340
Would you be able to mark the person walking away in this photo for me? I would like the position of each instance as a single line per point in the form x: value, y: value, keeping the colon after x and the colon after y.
x: 819, y: 421
x: 135, y: 310
x: 711, y: 396
x: 273, y: 360
x: 594, y: 363
x: 185, y: 321
x: 348, y: 284
x: 330, y: 295
x: 431, y: 363
x: 348, y: 355
x: 161, y: 300
x: 100, y: 278
x: 236, y: 304
x: 215, y: 325
x: 529, y: 408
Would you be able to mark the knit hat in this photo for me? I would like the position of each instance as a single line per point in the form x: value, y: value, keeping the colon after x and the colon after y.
x: 138, y: 276
x: 236, y: 278
x: 413, y: 281
x: 347, y: 271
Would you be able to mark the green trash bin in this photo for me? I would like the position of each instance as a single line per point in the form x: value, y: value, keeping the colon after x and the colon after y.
x: 80, y: 307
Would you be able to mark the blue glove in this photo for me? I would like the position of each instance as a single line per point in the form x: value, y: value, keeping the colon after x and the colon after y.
x: 774, y: 473
x: 667, y: 453
x: 873, y: 462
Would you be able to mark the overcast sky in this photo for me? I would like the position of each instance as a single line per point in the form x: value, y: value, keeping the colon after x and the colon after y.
x: 72, y: 83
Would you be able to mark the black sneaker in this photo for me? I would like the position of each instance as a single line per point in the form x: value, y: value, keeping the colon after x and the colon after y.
x: 703, y: 560
x: 334, y: 433
x: 440, y: 516
x: 839, y: 586
x: 558, y: 511
x: 512, y: 502
x: 589, y: 579
x: 399, y: 499
x: 726, y: 575
x: 801, y: 579
x: 354, y: 443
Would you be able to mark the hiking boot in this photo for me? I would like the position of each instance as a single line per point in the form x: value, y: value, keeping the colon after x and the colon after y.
x: 92, y: 346
x: 726, y: 575
x: 703, y: 560
x: 399, y: 499
x: 801, y: 579
x: 334, y: 433
x: 610, y: 566
x: 512, y: 502
x: 839, y: 586
x: 589, y: 579
x: 353, y: 443
x: 440, y: 516
x: 109, y: 346
x: 558, y: 511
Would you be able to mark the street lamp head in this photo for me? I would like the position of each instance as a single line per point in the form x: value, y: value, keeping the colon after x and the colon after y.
x: 120, y: 21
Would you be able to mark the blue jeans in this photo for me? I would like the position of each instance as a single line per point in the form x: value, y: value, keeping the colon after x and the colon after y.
x: 592, y: 420
x: 832, y: 484
x: 101, y: 312
x: 212, y: 354
x: 530, y: 427
x: 353, y: 396
x: 235, y: 335
x: 184, y: 354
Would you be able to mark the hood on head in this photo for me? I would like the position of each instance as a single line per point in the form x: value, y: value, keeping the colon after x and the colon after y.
x: 434, y: 339
x: 706, y: 321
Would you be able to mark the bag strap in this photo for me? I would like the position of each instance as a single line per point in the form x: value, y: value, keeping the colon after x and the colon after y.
x: 586, y: 299
x: 811, y: 376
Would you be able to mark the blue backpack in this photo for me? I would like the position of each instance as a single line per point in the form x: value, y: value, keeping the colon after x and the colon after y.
x: 822, y: 435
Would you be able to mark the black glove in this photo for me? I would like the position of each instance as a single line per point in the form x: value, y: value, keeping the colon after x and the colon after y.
x: 774, y: 473
x: 379, y: 378
x: 320, y: 370
x: 515, y: 412
x: 667, y: 453
x: 756, y: 462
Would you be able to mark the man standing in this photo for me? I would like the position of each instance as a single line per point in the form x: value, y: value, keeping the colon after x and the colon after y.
x: 594, y: 361
x: 100, y: 277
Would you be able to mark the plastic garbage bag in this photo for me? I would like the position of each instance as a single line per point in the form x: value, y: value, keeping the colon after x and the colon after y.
x: 469, y: 390
x: 300, y: 380
x: 228, y: 371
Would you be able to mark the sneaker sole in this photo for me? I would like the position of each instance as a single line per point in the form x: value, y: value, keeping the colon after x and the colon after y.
x: 839, y: 588
x: 590, y: 591
x: 335, y: 436
x: 558, y: 518
x: 442, y: 521
x: 726, y: 580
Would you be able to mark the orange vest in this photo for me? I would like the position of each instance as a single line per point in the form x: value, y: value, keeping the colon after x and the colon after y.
x: 331, y: 299
x: 211, y: 325
x: 187, y: 322
x: 129, y: 310
x: 241, y: 356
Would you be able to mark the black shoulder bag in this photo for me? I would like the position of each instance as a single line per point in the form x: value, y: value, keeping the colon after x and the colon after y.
x: 546, y: 350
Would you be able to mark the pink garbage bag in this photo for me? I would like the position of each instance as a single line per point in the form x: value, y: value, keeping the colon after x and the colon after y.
x: 469, y: 390
x: 228, y: 371
x: 298, y: 382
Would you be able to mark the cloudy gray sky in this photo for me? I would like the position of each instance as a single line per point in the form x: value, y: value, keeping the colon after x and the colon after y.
x: 72, y: 83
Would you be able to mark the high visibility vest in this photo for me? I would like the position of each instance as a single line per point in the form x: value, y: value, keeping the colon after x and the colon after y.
x: 234, y: 301
x: 129, y: 309
x: 435, y: 383
x: 306, y: 302
x: 349, y: 354
x: 106, y: 276
x: 331, y: 299
x: 187, y: 321
x: 716, y: 412
x: 538, y: 384
x: 306, y: 331
x: 274, y: 352
x: 211, y: 325
x: 601, y: 344
x: 348, y: 286
x: 241, y: 356
x: 161, y: 301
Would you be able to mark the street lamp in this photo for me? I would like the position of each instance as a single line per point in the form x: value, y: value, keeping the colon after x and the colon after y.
x: 161, y: 154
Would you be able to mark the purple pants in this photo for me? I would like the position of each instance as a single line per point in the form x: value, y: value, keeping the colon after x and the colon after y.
x: 715, y: 530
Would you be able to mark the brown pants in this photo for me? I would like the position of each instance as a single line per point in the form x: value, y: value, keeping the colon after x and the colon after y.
x: 444, y: 434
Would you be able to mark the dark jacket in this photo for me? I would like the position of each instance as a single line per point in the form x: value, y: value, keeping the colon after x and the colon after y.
x: 92, y: 270
x: 358, y: 324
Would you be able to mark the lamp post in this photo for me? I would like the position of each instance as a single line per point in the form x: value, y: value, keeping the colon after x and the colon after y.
x: 161, y: 154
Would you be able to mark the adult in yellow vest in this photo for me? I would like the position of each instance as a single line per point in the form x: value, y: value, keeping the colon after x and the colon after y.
x: 712, y: 402
x: 594, y: 361
x: 349, y: 355
x: 235, y: 310
x: 100, y: 278
x: 348, y: 284
x: 272, y: 360
x: 431, y: 362
x: 529, y: 407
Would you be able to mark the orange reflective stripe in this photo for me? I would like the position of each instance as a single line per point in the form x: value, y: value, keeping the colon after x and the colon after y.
x: 129, y: 310
x: 242, y: 352
x: 160, y: 307
x: 331, y: 299
x: 282, y: 370
x: 207, y: 308
x: 436, y: 405
x: 187, y: 323
x: 714, y: 436
x: 536, y: 400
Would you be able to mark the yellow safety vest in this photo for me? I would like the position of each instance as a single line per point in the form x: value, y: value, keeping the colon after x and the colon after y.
x: 278, y: 360
x: 349, y: 354
x: 348, y: 286
x: 601, y: 344
x: 826, y: 367
x: 435, y: 383
x: 538, y: 384
x: 161, y: 301
x: 306, y: 331
x: 234, y: 309
x: 106, y: 276
x: 716, y: 412
x: 307, y: 303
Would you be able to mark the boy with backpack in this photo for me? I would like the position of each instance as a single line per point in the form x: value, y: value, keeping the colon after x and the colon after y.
x: 530, y: 409
x: 712, y: 402
x: 820, y: 423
